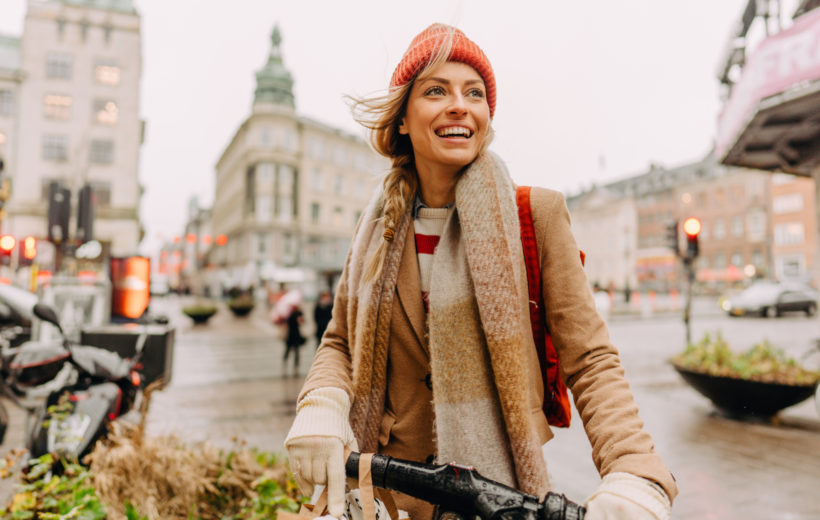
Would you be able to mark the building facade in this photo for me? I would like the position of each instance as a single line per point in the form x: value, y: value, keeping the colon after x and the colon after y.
x: 611, y: 250
x: 76, y: 118
x: 289, y: 190
x: 753, y: 225
x: 10, y: 80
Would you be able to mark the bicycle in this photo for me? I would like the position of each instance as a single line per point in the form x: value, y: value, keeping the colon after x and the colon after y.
x: 460, y: 492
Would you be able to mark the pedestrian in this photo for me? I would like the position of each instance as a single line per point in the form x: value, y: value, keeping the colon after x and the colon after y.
x: 322, y: 314
x: 431, y: 317
x: 293, y: 337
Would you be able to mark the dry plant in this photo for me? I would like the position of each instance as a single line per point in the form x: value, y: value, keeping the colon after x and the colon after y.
x: 163, y: 478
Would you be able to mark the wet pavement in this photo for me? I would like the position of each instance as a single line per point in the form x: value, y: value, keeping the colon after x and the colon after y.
x: 229, y: 384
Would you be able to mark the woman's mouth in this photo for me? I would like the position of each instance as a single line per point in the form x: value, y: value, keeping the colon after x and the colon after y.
x: 455, y: 131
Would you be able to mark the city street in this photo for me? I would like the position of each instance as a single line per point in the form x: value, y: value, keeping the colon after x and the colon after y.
x: 229, y: 384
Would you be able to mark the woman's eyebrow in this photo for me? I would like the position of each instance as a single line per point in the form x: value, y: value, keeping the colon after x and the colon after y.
x: 447, y: 81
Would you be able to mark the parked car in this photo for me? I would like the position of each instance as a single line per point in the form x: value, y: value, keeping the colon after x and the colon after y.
x: 770, y: 298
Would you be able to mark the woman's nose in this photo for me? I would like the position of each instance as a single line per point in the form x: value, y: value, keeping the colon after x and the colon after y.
x: 458, y: 105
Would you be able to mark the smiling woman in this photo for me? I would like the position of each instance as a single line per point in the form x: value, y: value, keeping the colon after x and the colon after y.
x: 431, y: 321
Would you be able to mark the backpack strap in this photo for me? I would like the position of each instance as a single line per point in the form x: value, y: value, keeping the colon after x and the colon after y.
x: 533, y: 264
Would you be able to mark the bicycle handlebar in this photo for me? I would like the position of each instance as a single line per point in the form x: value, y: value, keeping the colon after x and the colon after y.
x: 463, y: 491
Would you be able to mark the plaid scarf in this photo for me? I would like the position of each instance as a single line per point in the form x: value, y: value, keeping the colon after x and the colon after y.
x: 478, y: 328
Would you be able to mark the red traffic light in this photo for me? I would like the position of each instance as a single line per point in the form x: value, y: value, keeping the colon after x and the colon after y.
x: 691, y: 226
x: 7, y: 243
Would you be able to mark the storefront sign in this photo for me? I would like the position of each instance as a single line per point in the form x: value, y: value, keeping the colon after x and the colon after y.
x: 781, y: 62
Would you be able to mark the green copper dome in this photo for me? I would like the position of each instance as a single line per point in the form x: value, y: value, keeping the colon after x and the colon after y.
x: 125, y: 6
x: 274, y: 84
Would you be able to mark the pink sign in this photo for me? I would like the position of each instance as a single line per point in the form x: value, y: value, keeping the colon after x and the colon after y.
x: 779, y: 63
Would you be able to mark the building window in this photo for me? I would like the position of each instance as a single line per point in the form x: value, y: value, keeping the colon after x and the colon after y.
x: 107, y: 72
x: 356, y: 216
x: 286, y: 174
x: 106, y: 111
x: 264, y: 209
x: 719, y: 230
x: 340, y: 155
x: 264, y: 175
x: 262, y: 243
x: 338, y: 184
x: 250, y: 191
x: 6, y: 103
x: 55, y: 148
x: 337, y: 217
x: 787, y: 203
x: 737, y: 226
x: 720, y: 261
x: 287, y: 244
x: 101, y: 151
x: 56, y: 106
x: 285, y: 208
x: 315, y: 213
x: 779, y: 179
x: 756, y: 226
x: 358, y: 188
x: 757, y: 258
x: 265, y: 137
x: 789, y: 234
x: 737, y: 259
x: 791, y: 266
x: 58, y: 65
x: 316, y: 179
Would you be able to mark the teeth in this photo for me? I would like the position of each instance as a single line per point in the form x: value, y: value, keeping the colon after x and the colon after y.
x: 454, y: 130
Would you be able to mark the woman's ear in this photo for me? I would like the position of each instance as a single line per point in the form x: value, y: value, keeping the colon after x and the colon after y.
x: 403, y: 128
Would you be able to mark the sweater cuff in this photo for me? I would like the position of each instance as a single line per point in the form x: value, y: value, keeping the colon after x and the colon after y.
x: 638, y: 490
x: 324, y: 412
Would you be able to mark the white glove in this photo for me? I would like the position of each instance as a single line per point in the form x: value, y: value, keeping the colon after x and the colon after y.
x: 316, y: 443
x: 623, y: 496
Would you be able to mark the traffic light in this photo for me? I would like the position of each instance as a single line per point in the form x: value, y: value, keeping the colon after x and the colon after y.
x: 7, y: 243
x: 672, y: 237
x: 692, y: 227
x: 28, y: 251
x: 85, y: 214
x: 59, y: 210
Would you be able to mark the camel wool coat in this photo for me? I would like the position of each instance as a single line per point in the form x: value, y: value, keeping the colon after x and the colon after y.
x: 589, y: 362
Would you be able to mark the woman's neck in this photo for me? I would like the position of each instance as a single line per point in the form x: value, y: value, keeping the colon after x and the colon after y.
x: 438, y: 189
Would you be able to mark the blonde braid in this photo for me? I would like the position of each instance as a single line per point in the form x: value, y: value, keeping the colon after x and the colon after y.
x: 400, y: 185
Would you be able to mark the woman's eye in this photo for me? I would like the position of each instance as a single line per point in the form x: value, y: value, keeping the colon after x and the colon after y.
x: 434, y: 91
x: 476, y: 92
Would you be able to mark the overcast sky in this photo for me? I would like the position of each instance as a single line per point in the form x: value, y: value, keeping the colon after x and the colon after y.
x: 588, y: 92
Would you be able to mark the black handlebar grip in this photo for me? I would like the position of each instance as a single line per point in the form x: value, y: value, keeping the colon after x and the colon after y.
x: 462, y: 490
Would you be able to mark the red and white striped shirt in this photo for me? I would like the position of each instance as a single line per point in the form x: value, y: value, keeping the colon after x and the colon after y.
x: 428, y: 223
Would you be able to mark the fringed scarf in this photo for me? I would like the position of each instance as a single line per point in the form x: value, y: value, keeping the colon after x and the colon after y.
x: 478, y: 328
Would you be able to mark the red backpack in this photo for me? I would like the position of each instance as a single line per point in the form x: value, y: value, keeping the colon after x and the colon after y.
x: 556, y: 400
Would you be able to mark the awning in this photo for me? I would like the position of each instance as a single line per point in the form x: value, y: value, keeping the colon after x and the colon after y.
x: 772, y: 119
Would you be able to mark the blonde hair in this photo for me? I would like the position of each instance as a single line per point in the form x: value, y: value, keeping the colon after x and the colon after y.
x: 382, y: 115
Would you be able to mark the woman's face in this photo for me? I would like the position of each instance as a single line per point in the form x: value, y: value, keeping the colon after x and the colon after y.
x: 447, y: 118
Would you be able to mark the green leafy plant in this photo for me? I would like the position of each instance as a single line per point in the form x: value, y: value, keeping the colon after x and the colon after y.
x: 45, y: 495
x: 762, y: 362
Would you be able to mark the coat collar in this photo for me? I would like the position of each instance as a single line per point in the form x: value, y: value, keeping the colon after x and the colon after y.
x: 408, y: 287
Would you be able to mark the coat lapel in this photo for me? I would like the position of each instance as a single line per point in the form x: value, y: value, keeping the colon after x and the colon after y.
x: 408, y: 287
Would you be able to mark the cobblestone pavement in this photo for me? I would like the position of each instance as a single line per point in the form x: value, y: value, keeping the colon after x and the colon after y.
x: 229, y: 383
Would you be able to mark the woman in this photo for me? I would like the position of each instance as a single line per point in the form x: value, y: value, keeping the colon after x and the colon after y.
x: 431, y: 317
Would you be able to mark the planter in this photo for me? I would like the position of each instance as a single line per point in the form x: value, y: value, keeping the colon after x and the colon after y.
x: 241, y: 306
x: 746, y: 397
x: 240, y: 309
x: 199, y: 313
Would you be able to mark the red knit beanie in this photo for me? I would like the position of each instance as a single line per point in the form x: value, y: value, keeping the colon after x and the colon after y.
x: 423, y: 48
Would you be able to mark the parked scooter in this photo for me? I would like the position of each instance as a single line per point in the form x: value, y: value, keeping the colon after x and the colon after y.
x: 85, y: 388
